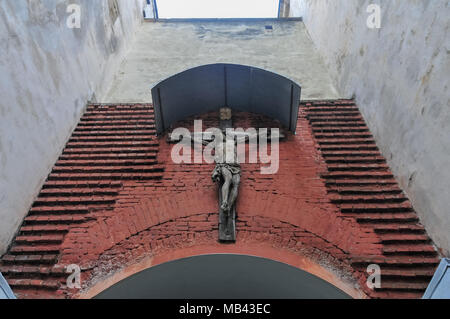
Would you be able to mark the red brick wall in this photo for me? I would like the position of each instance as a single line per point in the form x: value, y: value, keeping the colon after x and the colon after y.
x: 138, y: 204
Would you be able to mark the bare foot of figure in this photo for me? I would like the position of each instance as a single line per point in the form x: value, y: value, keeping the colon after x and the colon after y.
x: 225, y: 207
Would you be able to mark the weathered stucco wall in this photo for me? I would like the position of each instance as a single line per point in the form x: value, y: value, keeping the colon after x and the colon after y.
x: 163, y: 49
x: 47, y: 74
x: 400, y: 77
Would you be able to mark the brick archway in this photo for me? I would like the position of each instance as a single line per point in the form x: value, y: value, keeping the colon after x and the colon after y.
x: 111, y: 252
x: 289, y: 211
x: 338, y: 278
x: 116, y: 203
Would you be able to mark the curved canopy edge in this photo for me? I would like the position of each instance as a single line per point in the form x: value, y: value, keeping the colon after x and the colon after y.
x: 208, y: 88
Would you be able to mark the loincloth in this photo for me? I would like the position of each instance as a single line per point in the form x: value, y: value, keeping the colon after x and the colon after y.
x: 234, y: 169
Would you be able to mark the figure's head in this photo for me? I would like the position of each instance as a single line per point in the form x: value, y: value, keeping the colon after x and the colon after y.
x: 225, y: 113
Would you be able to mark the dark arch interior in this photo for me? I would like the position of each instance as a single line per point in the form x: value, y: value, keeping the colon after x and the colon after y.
x: 223, y: 277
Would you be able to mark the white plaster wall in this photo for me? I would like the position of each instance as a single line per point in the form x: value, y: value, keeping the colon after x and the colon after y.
x: 400, y: 77
x: 163, y: 49
x: 47, y: 74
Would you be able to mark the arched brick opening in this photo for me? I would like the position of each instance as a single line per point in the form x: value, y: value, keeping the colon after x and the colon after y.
x: 193, y: 232
x: 177, y: 216
x: 338, y: 276
x: 116, y: 203
x: 223, y: 276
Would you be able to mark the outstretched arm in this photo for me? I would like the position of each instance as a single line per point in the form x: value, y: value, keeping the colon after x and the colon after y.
x: 253, y: 136
x: 193, y: 138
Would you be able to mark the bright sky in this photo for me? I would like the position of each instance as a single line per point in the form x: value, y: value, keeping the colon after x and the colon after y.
x: 217, y: 8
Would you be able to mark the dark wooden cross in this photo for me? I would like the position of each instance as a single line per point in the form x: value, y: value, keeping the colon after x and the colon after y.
x: 226, y: 173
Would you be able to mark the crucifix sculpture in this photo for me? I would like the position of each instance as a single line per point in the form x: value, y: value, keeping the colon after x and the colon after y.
x: 227, y: 172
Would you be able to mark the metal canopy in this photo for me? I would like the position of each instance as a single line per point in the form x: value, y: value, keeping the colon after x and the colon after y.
x: 243, y: 88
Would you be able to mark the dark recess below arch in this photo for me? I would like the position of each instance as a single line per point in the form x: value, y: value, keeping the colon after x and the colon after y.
x: 223, y: 276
